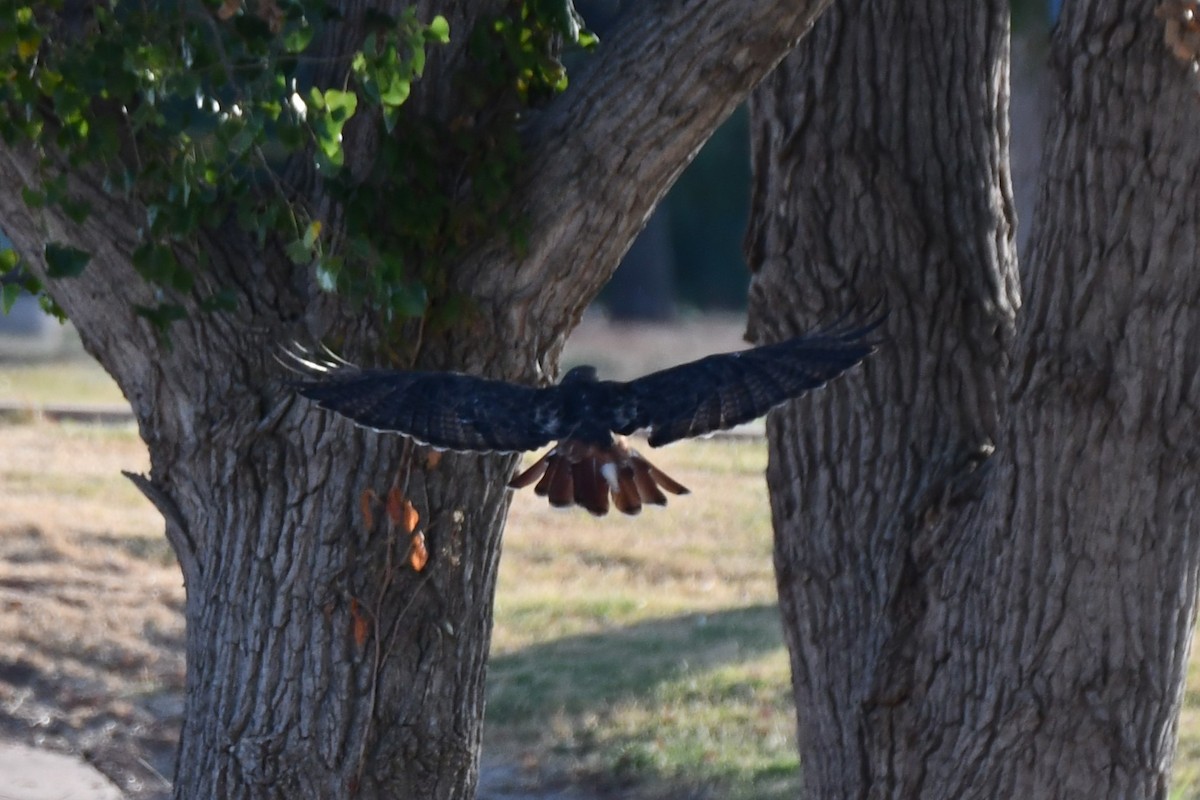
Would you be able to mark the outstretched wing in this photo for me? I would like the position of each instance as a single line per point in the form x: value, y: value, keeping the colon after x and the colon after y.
x: 447, y: 410
x: 722, y: 391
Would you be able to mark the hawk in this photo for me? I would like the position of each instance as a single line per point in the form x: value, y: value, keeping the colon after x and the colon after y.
x: 587, y: 417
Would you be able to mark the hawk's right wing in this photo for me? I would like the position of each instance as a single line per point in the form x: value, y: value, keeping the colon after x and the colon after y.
x: 447, y: 410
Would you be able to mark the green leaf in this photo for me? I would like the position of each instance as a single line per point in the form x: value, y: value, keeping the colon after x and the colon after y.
x: 396, y: 93
x: 162, y: 315
x: 341, y: 104
x: 8, y: 296
x: 182, y: 280
x: 338, y: 107
x: 299, y: 252
x: 224, y: 300
x: 390, y: 116
x: 297, y: 40
x: 417, y: 60
x: 438, y: 30
x: 33, y: 198
x: 9, y: 259
x: 52, y: 308
x: 409, y: 300
x: 64, y: 261
x: 76, y: 210
x: 242, y: 141
x: 157, y: 263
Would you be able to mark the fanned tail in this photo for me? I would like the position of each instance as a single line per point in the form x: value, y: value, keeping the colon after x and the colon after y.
x: 575, y: 473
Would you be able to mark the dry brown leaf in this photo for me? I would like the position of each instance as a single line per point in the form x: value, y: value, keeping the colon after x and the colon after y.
x: 418, y: 555
x: 366, y: 501
x: 411, y: 517
x: 395, y: 505
x: 359, y: 623
x: 229, y: 8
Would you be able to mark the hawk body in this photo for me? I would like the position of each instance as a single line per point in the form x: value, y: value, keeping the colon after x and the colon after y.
x: 589, y: 418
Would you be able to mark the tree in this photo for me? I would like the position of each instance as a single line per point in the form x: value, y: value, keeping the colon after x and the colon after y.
x: 186, y: 179
x: 986, y: 544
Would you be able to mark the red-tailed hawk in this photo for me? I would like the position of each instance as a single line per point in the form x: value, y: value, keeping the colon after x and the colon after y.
x: 587, y: 417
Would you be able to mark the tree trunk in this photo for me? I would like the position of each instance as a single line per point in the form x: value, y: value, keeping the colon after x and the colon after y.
x: 320, y: 663
x: 964, y: 623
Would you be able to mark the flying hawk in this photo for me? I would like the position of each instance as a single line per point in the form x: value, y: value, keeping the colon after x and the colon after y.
x: 587, y: 417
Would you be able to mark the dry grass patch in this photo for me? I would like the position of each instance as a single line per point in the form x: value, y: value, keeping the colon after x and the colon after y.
x: 79, y: 380
x: 645, y: 653
x: 91, y: 634
x: 632, y: 657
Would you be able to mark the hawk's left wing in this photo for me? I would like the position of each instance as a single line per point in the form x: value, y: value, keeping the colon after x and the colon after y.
x: 721, y: 391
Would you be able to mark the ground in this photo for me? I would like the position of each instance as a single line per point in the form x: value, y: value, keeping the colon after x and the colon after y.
x: 634, y: 658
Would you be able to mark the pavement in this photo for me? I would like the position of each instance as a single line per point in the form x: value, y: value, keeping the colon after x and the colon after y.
x: 27, y: 773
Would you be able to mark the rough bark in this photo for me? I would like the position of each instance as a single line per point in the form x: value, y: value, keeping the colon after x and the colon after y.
x: 604, y: 155
x: 964, y: 624
x: 319, y: 664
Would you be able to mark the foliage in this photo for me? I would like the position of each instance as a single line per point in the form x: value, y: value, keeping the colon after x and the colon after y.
x: 212, y: 112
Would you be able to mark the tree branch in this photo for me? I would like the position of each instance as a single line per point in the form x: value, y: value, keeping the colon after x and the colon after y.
x: 603, y: 155
x: 177, y: 530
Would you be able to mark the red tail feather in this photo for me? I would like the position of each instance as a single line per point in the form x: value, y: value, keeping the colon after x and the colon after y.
x: 591, y: 490
x: 646, y: 486
x: 585, y: 475
x: 562, y: 484
x: 661, y: 478
x: 536, y: 471
x: 627, y: 498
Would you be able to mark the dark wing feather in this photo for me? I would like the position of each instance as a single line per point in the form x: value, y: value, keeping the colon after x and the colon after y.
x: 447, y: 410
x: 722, y: 391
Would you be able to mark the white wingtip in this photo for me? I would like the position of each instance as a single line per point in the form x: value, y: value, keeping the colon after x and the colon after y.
x: 301, y: 359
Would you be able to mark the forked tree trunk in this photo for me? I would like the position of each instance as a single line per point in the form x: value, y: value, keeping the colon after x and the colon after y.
x: 962, y: 623
x: 321, y: 665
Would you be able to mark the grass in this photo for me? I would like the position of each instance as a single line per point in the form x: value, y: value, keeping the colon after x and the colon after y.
x: 647, y: 651
x: 620, y: 351
x: 74, y: 381
x: 91, y: 630
x: 638, y: 656
x: 639, y: 652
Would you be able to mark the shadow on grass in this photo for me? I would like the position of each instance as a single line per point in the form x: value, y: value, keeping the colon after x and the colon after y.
x: 578, y: 674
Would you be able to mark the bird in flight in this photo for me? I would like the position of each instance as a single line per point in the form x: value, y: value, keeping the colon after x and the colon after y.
x: 588, y: 418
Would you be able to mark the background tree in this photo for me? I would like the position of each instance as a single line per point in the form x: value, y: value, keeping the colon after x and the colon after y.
x: 1000, y: 605
x: 186, y: 179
